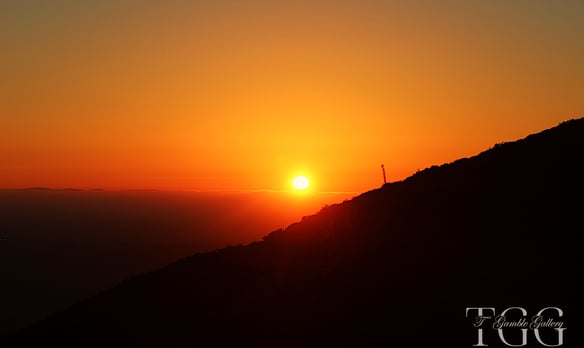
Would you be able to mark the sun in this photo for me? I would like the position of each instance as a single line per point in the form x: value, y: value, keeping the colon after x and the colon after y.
x: 300, y: 182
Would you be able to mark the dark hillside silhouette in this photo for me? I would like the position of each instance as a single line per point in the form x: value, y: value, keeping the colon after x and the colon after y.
x: 393, y: 267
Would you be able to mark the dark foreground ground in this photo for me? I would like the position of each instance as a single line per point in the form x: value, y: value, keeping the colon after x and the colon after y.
x: 395, y: 267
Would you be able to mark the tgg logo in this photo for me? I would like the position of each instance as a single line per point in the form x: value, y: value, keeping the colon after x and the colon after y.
x: 544, y: 324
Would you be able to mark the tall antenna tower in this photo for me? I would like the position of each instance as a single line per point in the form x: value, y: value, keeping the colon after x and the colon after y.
x: 383, y: 170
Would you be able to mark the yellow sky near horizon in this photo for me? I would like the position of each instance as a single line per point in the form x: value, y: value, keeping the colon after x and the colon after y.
x: 235, y: 95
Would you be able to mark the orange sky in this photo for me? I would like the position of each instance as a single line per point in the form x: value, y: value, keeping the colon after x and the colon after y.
x: 234, y: 95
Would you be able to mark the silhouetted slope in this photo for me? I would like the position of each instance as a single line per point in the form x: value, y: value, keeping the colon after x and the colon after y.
x: 395, y: 266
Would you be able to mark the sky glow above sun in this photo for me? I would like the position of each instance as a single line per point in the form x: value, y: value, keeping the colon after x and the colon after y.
x: 229, y: 95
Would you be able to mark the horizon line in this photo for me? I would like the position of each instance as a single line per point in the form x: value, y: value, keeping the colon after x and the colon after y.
x: 41, y: 188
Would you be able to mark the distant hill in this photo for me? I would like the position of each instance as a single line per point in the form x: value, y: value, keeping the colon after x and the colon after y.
x: 58, y: 247
x: 393, y: 267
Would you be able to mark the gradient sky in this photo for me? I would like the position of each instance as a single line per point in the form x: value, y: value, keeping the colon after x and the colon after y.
x: 243, y: 95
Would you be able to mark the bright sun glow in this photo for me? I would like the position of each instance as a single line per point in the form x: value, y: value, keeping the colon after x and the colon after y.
x: 300, y: 183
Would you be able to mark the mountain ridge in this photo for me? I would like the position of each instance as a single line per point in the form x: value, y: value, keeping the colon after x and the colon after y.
x: 484, y: 230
